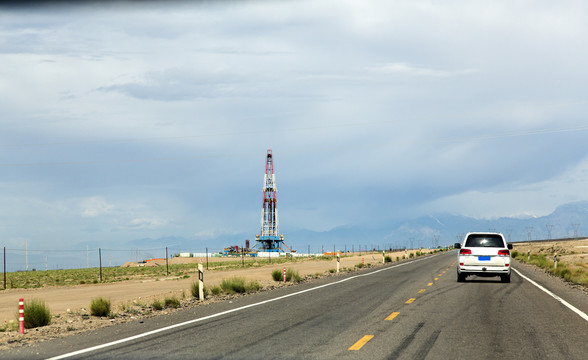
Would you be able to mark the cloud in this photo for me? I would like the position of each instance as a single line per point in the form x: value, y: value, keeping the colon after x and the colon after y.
x: 403, y: 68
x: 95, y: 206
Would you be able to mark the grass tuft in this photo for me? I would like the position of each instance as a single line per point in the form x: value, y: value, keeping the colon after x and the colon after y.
x: 36, y: 314
x: 172, y: 302
x: 100, y: 307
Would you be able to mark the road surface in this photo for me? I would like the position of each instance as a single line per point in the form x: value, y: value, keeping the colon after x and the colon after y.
x: 412, y: 310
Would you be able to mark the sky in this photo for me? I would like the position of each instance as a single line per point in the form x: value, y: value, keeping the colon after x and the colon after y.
x: 124, y: 121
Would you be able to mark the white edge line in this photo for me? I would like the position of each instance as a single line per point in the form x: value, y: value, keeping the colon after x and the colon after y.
x: 116, y: 342
x: 567, y: 304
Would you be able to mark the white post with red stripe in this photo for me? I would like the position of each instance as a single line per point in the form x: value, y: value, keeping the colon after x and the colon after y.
x: 21, y: 316
x: 284, y: 274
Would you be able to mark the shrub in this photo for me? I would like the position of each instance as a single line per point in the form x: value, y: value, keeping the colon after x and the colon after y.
x: 292, y: 275
x: 100, y: 307
x: 387, y: 259
x: 216, y: 290
x: 36, y: 314
x: 172, y: 302
x: 397, y: 258
x: 411, y: 255
x: 233, y: 285
x: 157, y: 305
x: 252, y: 286
x: 360, y: 265
x: 514, y: 254
x: 277, y: 275
x: 195, y: 290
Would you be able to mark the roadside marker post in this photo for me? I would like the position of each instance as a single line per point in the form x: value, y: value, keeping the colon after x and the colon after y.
x: 383, y: 257
x: 200, y: 282
x: 555, y: 261
x: 21, y: 316
x: 338, y: 261
x: 284, y: 274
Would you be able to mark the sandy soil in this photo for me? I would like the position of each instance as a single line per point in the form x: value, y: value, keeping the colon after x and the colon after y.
x: 569, y: 252
x: 69, y: 304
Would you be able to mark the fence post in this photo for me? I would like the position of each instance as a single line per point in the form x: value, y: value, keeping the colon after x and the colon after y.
x: 21, y: 316
x: 100, y: 256
x: 200, y: 283
x: 338, y: 261
x: 5, y: 268
x: 166, y: 262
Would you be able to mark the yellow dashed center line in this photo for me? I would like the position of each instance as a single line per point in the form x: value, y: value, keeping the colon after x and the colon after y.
x: 358, y: 345
x: 422, y: 291
x: 409, y: 301
x: 392, y: 316
x: 436, y: 279
x: 439, y: 274
x: 430, y: 284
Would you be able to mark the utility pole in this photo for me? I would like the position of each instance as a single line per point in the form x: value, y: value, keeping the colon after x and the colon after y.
x: 27, y: 253
x: 87, y: 257
x: 529, y: 232
x: 509, y: 232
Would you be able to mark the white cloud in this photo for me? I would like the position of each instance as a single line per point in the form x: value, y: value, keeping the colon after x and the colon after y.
x: 95, y: 206
x: 403, y: 68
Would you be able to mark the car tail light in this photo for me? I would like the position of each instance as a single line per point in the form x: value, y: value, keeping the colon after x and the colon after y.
x: 465, y: 252
x: 503, y: 252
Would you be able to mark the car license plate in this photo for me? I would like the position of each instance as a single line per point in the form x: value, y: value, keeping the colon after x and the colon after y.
x: 484, y: 258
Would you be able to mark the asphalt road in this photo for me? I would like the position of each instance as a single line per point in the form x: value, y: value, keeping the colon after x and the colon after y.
x: 413, y: 311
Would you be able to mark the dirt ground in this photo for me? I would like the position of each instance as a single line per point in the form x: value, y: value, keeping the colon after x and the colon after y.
x: 69, y: 305
x: 569, y: 252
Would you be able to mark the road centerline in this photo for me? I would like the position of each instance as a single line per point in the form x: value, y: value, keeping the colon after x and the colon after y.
x: 361, y: 342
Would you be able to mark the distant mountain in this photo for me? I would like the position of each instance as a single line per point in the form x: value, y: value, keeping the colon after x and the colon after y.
x: 425, y: 231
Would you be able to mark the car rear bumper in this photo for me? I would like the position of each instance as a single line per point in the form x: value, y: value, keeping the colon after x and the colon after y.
x: 481, y: 270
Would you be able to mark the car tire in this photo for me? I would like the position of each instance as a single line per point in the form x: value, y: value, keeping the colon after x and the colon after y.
x: 460, y: 277
x: 505, y: 278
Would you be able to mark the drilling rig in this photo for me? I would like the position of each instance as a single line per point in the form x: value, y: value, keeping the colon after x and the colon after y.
x: 269, y: 239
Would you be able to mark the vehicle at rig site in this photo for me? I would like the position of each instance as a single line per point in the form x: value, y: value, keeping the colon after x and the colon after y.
x: 483, y: 254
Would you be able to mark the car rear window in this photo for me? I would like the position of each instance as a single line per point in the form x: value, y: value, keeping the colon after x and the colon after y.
x: 484, y: 241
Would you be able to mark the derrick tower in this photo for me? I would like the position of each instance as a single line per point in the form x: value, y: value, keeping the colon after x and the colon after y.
x: 270, y: 239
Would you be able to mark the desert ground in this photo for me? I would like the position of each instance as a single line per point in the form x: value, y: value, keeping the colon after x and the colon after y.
x: 69, y: 305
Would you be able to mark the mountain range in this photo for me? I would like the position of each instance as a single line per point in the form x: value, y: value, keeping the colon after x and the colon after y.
x: 427, y: 231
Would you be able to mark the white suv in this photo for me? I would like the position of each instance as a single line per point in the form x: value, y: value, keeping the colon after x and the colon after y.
x: 483, y: 254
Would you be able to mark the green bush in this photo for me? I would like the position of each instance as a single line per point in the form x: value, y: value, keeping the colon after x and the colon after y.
x: 233, y: 285
x: 36, y: 314
x: 292, y: 275
x: 514, y: 254
x: 252, y: 286
x: 360, y: 265
x: 411, y: 255
x: 238, y: 285
x: 157, y: 305
x: 397, y: 258
x: 277, y: 275
x: 172, y: 302
x: 387, y: 259
x: 216, y: 290
x: 100, y: 307
x: 195, y: 290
